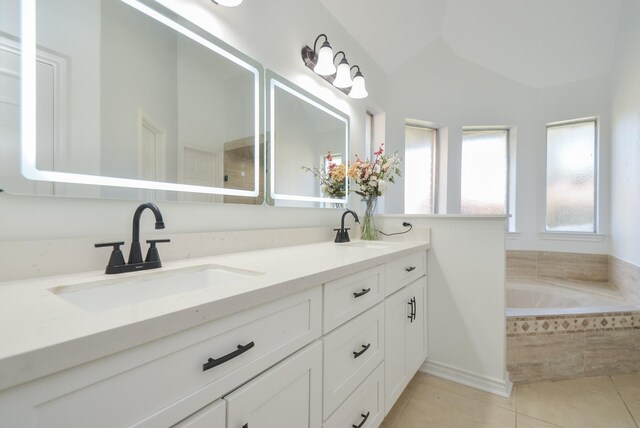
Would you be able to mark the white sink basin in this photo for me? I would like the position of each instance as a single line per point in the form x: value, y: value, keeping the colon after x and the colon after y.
x: 367, y: 244
x: 124, y: 291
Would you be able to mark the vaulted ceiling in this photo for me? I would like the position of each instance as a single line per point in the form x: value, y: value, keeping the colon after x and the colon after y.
x: 539, y: 43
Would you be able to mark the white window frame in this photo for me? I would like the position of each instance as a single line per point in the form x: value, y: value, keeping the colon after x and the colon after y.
x: 435, y: 164
x: 510, y: 224
x: 572, y: 235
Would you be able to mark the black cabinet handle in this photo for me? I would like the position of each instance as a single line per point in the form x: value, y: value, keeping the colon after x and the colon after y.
x: 364, y: 349
x: 362, y: 293
x: 413, y: 308
x: 410, y: 268
x: 246, y: 425
x: 410, y: 316
x: 364, y: 419
x: 217, y: 361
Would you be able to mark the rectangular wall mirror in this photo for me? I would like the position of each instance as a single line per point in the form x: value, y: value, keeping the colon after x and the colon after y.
x: 303, y: 130
x: 126, y: 99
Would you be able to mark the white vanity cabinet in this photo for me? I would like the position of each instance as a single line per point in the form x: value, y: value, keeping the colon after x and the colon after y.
x: 212, y: 416
x: 335, y: 355
x: 287, y: 395
x: 406, y: 339
x: 160, y: 383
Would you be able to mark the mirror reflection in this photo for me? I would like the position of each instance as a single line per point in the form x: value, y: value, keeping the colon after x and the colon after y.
x: 309, y: 148
x: 124, y: 100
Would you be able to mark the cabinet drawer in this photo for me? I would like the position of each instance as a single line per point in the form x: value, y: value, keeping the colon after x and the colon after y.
x: 212, y: 416
x: 404, y: 270
x: 165, y: 378
x: 347, y: 297
x: 287, y: 395
x: 366, y: 402
x: 351, y: 352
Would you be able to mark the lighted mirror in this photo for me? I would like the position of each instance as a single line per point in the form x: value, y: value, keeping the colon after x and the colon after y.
x: 305, y: 135
x: 129, y: 98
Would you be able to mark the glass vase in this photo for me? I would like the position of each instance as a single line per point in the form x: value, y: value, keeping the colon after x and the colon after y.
x: 368, y: 231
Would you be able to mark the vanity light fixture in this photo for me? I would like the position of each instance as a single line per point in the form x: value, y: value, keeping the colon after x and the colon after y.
x: 322, y: 63
x: 323, y: 59
x: 228, y: 3
x: 343, y: 75
x: 358, y: 89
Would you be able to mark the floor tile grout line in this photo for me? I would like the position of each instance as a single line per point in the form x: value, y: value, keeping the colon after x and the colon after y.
x: 538, y: 419
x: 624, y: 402
x: 408, y: 401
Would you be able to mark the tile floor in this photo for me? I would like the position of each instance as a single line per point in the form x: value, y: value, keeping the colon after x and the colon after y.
x: 595, y: 402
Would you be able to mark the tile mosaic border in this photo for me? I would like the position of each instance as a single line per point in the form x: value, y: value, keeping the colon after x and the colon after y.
x: 564, y: 324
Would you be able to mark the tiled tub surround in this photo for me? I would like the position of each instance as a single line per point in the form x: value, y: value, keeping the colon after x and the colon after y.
x: 566, y: 327
x: 547, y: 264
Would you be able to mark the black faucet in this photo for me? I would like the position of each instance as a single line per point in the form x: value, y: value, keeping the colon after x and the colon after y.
x: 152, y: 261
x: 135, y: 254
x: 342, y: 234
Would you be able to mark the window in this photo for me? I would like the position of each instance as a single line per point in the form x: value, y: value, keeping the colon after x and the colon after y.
x: 571, y: 176
x: 485, y: 171
x: 419, y: 169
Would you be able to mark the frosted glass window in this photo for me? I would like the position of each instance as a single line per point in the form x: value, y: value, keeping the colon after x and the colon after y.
x: 571, y: 177
x: 419, y: 162
x: 484, y: 175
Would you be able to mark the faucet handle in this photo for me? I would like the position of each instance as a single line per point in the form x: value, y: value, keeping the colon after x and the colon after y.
x: 117, y: 258
x: 115, y: 245
x: 152, y: 253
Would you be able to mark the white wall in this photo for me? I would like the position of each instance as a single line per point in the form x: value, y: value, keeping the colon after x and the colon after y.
x: 271, y: 32
x: 438, y: 86
x: 625, y: 156
x: 466, y: 297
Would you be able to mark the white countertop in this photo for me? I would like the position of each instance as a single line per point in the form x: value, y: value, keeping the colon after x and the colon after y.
x: 41, y: 333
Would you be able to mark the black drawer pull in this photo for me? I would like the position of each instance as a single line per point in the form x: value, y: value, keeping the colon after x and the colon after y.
x: 412, y: 302
x: 246, y: 425
x: 410, y: 268
x: 364, y: 419
x: 364, y: 349
x: 362, y: 293
x: 217, y: 361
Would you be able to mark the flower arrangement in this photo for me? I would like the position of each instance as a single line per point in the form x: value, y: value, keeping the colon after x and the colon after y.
x: 372, y: 180
x: 333, y: 181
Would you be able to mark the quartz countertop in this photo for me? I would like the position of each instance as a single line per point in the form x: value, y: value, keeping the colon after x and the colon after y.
x: 42, y: 333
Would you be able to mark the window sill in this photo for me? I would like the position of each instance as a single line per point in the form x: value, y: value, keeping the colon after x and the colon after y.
x: 573, y: 236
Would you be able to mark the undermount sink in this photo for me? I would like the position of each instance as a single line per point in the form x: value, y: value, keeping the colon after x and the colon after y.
x: 124, y: 291
x: 368, y: 244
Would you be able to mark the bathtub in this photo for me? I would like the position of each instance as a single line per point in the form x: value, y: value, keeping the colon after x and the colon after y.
x: 526, y: 298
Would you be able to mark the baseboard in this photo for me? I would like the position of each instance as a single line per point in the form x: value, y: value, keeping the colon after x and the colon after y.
x: 487, y: 384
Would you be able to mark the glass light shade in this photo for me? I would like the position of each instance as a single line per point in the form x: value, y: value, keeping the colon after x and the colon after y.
x: 325, y: 66
x: 358, y: 90
x: 228, y: 3
x: 343, y: 76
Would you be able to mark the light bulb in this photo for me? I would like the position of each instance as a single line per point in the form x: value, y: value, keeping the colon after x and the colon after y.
x: 343, y: 75
x: 325, y: 66
x: 228, y: 3
x: 358, y: 90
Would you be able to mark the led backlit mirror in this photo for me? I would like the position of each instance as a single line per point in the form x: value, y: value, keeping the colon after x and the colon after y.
x: 128, y: 96
x: 304, y: 133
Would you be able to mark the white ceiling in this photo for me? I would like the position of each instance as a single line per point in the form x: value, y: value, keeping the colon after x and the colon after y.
x: 539, y: 43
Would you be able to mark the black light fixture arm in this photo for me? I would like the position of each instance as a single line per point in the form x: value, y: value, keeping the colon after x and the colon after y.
x: 344, y: 56
x: 315, y: 44
x: 357, y: 72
